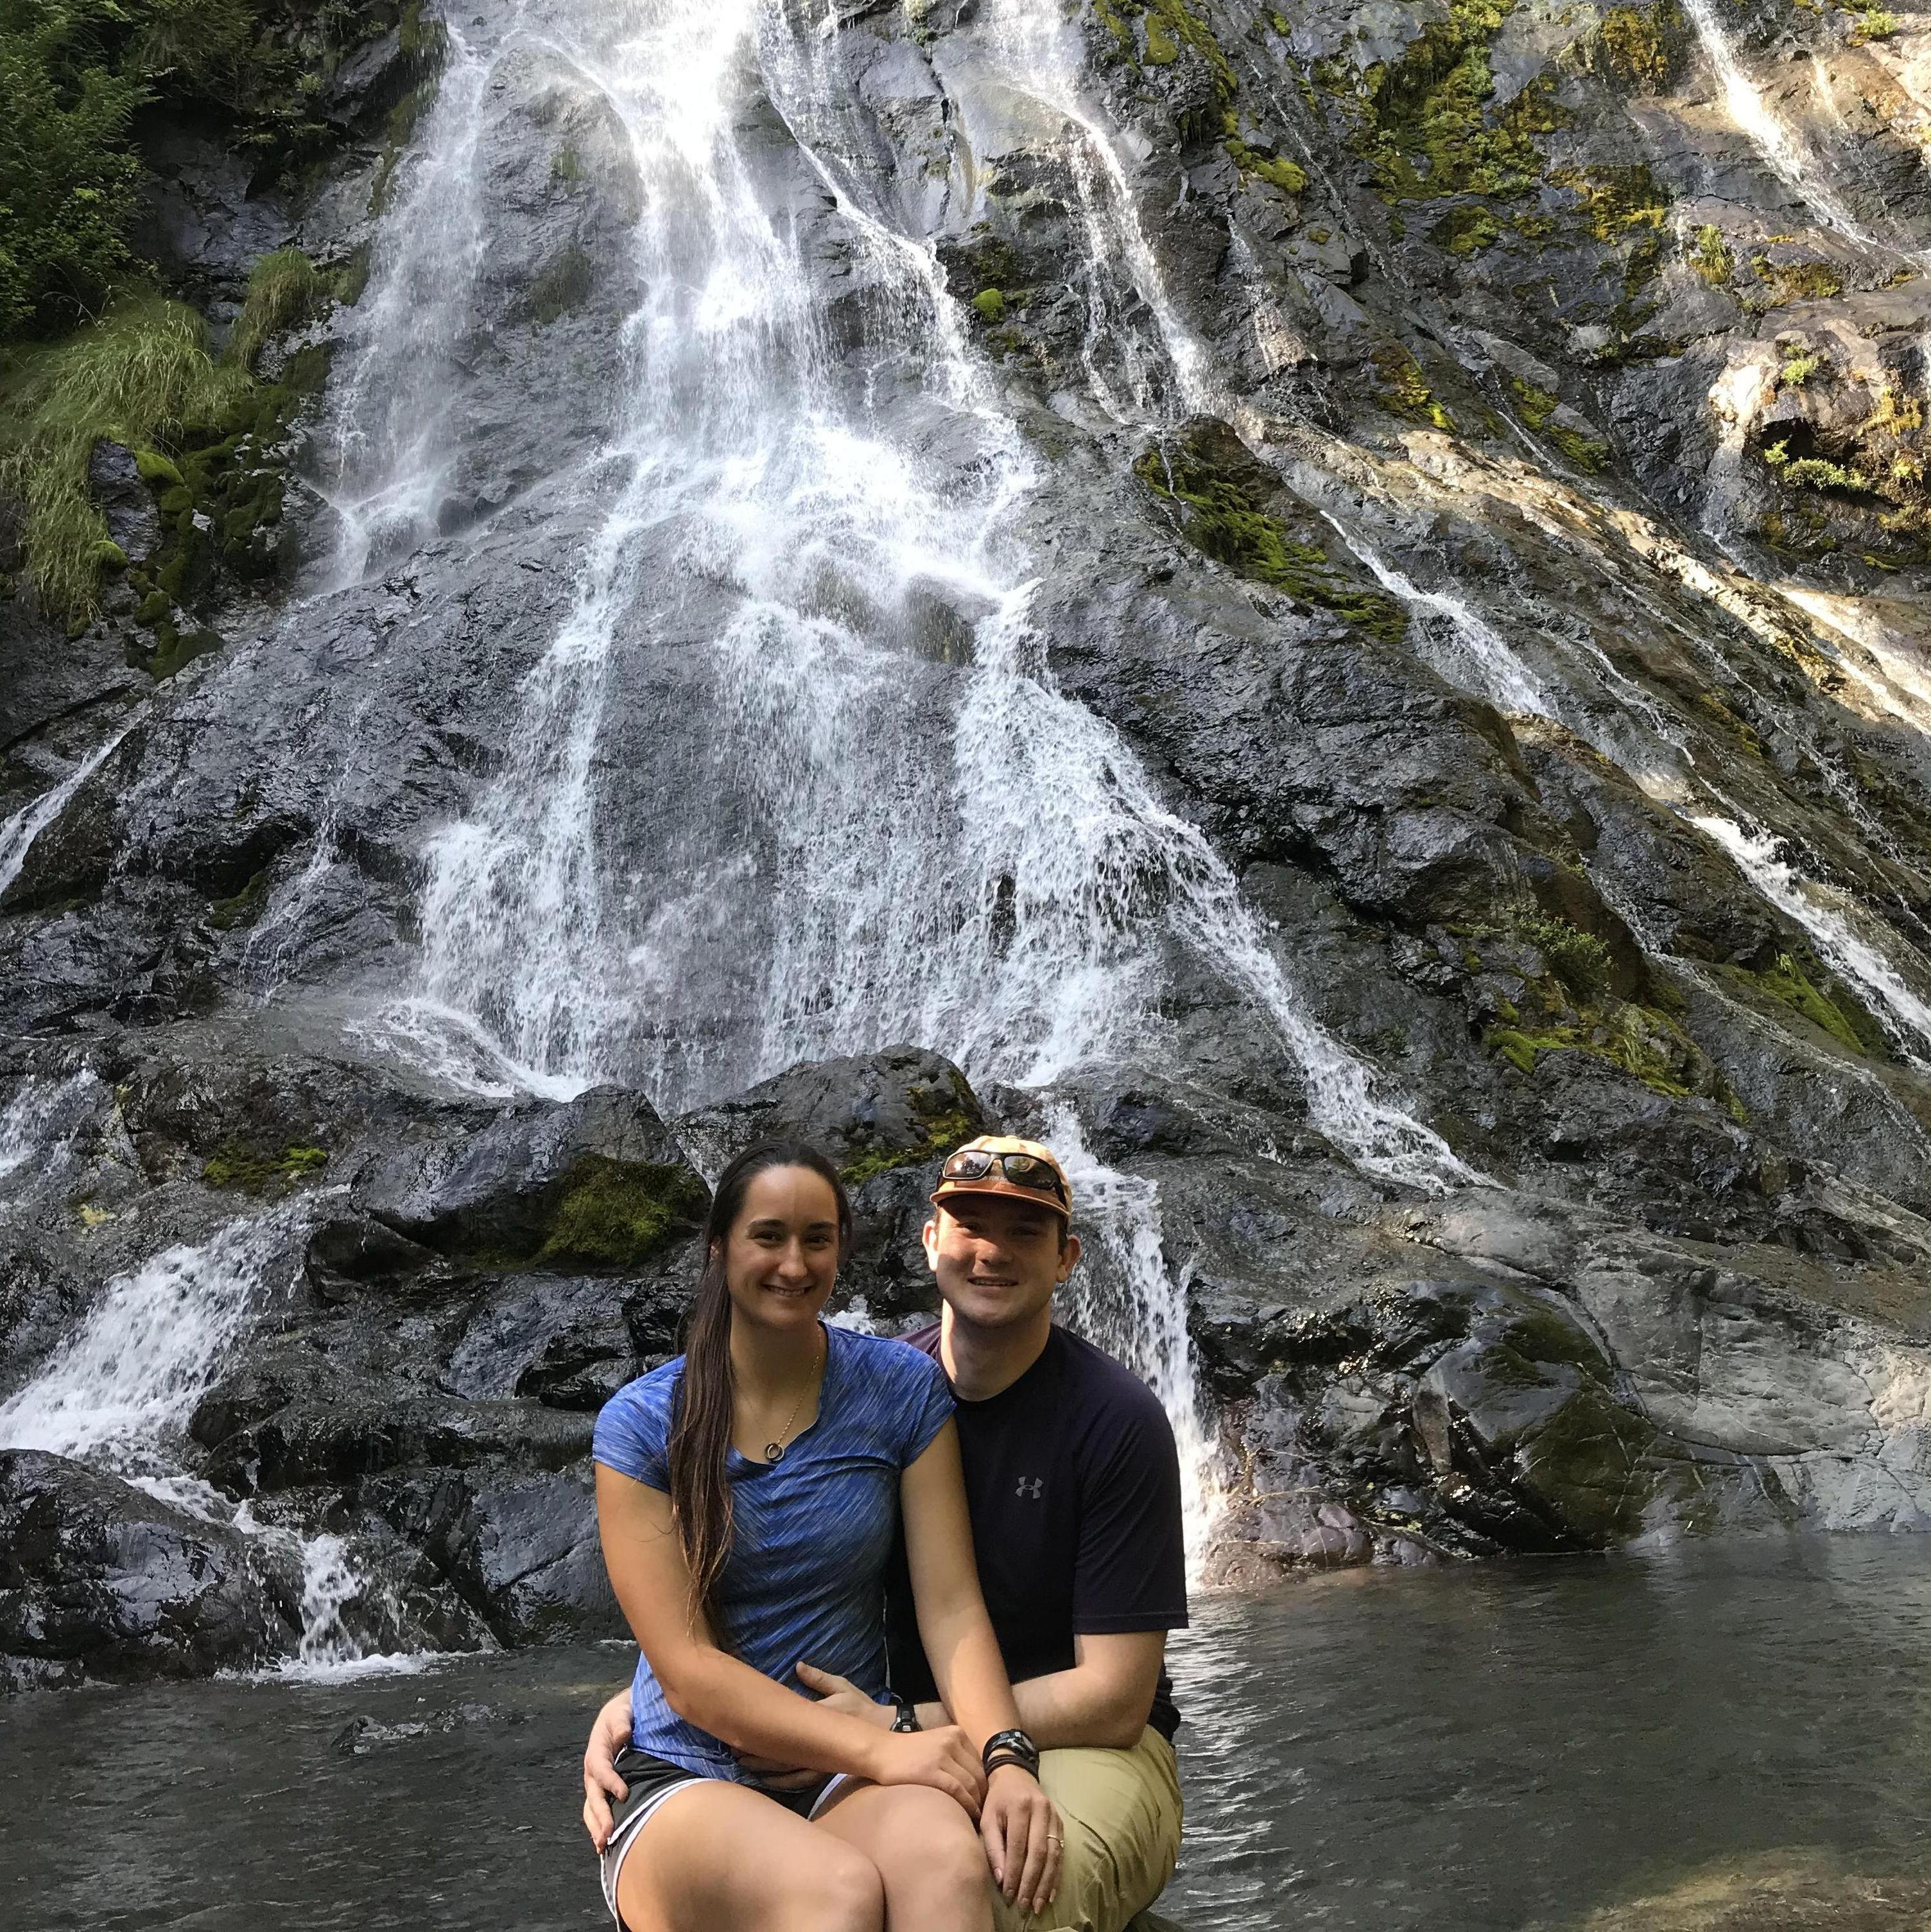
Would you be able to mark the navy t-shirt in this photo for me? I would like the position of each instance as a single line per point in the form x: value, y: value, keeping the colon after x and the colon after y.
x: 1074, y: 1487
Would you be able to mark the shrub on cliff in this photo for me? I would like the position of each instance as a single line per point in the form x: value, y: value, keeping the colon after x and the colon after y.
x: 66, y: 178
x: 73, y: 74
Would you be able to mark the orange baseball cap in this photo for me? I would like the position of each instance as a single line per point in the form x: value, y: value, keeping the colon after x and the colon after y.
x: 1003, y: 1165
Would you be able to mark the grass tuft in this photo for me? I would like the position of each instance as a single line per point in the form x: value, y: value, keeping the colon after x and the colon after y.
x: 142, y: 372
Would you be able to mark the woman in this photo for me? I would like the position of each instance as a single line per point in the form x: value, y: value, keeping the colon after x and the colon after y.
x: 746, y: 1498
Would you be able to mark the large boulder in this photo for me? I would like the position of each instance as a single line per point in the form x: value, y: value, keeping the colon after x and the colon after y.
x: 97, y: 1576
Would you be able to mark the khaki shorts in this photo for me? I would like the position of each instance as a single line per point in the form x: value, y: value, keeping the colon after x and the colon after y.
x: 1122, y: 1810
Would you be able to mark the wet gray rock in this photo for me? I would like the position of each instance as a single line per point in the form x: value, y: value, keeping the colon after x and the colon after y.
x: 97, y: 1577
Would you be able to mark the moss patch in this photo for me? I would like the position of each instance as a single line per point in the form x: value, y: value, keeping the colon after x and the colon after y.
x: 141, y: 372
x: 616, y: 1213
x: 1571, y: 1006
x: 1217, y: 493
x: 562, y: 287
x: 1800, y: 984
x: 1424, y: 125
x: 248, y: 1169
x: 1401, y: 385
x: 1639, y: 46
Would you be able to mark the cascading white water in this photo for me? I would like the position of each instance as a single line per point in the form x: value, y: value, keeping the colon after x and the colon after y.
x: 120, y: 1386
x: 1783, y: 151
x: 37, y: 1125
x: 118, y: 1392
x: 18, y: 833
x: 1127, y: 1299
x: 1479, y: 654
x: 390, y: 457
x: 1013, y: 903
x: 1759, y: 857
x: 888, y: 847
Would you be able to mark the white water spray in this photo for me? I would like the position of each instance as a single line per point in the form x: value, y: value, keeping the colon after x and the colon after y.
x: 119, y: 1392
x: 1759, y: 856
x: 17, y: 834
x: 1127, y: 1299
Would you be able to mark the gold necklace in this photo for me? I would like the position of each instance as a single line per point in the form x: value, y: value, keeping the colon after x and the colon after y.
x: 773, y: 1452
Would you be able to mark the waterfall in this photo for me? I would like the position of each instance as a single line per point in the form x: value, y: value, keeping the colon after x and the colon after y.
x: 18, y: 833
x: 149, y: 1349
x: 120, y: 1390
x: 842, y: 888
x: 391, y: 454
x: 37, y: 1125
x: 1480, y: 656
x: 1759, y: 857
x: 1127, y: 1299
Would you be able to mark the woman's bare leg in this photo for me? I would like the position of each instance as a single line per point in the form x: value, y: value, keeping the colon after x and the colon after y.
x: 926, y: 1850
x: 716, y: 1858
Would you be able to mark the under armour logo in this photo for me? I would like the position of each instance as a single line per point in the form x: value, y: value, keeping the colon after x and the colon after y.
x: 1038, y: 1483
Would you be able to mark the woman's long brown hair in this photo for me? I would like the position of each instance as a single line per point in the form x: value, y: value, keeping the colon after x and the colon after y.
x: 700, y: 1430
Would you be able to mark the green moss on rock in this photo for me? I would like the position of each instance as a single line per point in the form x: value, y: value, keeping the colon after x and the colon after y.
x: 616, y: 1214
x: 241, y: 1166
x: 1220, y: 516
x: 1795, y: 982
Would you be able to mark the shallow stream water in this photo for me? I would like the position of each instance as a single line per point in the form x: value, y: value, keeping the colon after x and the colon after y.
x: 1732, y: 1736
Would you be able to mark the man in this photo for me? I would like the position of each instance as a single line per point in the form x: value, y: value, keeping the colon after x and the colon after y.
x: 1073, y: 1483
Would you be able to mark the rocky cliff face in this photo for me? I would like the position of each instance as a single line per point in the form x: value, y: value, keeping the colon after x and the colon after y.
x: 1327, y: 601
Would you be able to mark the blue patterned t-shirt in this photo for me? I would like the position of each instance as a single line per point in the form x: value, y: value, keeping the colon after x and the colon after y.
x: 810, y: 1535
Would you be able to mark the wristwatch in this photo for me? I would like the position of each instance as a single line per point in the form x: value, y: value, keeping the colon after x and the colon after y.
x: 908, y: 1719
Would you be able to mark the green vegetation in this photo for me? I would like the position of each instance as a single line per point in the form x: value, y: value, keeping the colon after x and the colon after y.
x: 142, y: 375
x: 252, y: 1170
x: 1638, y: 47
x: 1814, y: 473
x: 1288, y: 176
x: 1216, y: 485
x: 947, y: 1119
x: 1838, y: 1013
x: 1711, y: 258
x: 285, y: 289
x: 1785, y: 282
x: 1426, y: 129
x: 616, y: 1213
x: 562, y: 287
x: 74, y: 73
x: 1400, y: 385
x: 1579, y: 959
x: 244, y: 908
x: 989, y: 305
x: 1870, y: 21
x: 1572, y: 1007
x: 1799, y: 366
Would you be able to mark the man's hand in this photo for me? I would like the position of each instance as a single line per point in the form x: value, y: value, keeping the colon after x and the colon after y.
x: 1023, y: 1835
x: 602, y: 1784
x: 840, y: 1694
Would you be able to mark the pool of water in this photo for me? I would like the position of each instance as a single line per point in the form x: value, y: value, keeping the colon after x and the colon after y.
x: 1734, y: 1736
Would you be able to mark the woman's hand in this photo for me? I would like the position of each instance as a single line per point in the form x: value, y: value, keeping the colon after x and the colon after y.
x: 602, y: 1784
x: 942, y: 1758
x: 1023, y: 1833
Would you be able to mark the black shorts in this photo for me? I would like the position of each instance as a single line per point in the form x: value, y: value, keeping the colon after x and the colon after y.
x: 651, y: 1779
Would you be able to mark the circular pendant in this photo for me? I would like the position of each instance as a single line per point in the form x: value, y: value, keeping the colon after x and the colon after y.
x: 773, y: 1452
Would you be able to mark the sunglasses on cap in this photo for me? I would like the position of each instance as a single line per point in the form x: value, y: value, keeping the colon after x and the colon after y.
x: 1023, y: 1170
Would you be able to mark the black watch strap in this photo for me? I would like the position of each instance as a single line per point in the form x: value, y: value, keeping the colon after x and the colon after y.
x: 908, y: 1719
